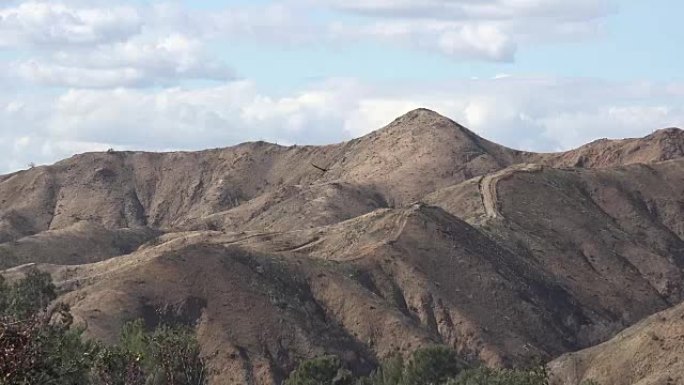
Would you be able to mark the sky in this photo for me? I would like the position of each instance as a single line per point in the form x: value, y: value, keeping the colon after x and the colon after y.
x: 539, y: 75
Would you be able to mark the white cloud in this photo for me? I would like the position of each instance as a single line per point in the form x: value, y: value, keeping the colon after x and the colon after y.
x: 477, y: 9
x: 528, y: 113
x: 472, y: 29
x: 71, y: 76
x: 72, y: 44
x: 609, y: 121
x: 487, y: 41
x: 93, y: 44
x: 123, y: 75
x: 482, y: 29
x: 275, y: 22
x: 56, y: 24
x: 136, y: 62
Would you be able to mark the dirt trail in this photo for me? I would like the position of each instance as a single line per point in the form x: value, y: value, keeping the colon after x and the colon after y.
x: 489, y: 182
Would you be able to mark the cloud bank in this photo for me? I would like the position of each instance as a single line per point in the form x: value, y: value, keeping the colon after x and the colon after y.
x: 88, y: 75
x: 99, y: 45
x: 541, y: 114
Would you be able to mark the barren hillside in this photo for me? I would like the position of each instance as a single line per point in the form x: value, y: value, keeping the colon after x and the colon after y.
x: 414, y: 155
x: 419, y: 233
x: 648, y: 353
x: 661, y: 145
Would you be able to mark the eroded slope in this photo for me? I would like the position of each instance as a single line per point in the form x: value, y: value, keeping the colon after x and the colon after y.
x: 648, y: 353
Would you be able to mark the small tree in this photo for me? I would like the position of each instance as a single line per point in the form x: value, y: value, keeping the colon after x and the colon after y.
x: 167, y: 356
x: 326, y: 370
x: 432, y: 366
x: 390, y: 372
x: 486, y: 376
x: 37, y: 346
x: 114, y: 365
x: 175, y: 354
x: 40, y: 346
x: 31, y: 295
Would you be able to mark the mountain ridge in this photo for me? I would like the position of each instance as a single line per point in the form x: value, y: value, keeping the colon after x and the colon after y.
x: 445, y: 154
x: 419, y: 233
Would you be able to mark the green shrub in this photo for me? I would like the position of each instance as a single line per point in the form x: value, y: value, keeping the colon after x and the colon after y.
x: 436, y: 365
x: 41, y: 347
x: 62, y: 357
x: 326, y: 370
x: 390, y: 372
x: 114, y: 365
x: 432, y: 366
x: 35, y: 351
x: 167, y: 356
x: 485, y: 376
x: 174, y: 357
x: 28, y: 296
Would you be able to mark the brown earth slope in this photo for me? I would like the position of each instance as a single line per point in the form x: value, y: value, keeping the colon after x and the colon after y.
x: 80, y: 243
x: 648, y: 353
x: 414, y: 155
x: 381, y: 283
x: 610, y: 237
x: 419, y: 233
x: 662, y: 145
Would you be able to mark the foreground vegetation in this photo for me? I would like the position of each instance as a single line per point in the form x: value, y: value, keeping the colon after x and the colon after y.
x: 437, y: 365
x: 38, y: 345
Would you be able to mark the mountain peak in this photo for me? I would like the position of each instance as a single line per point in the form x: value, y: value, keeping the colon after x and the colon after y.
x: 421, y: 118
x: 422, y: 111
x: 668, y: 132
x: 421, y: 114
